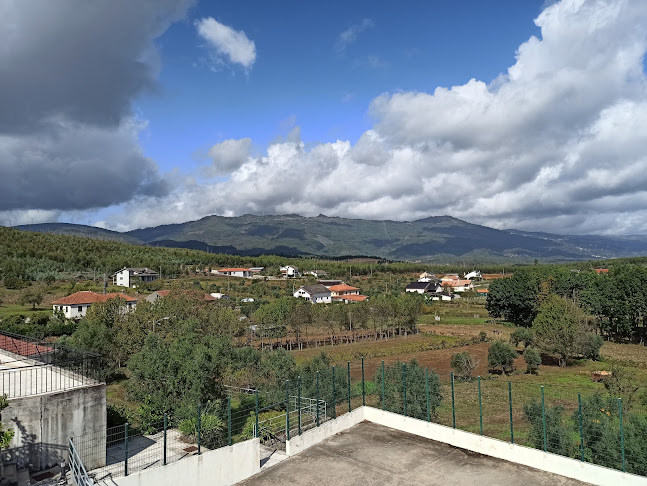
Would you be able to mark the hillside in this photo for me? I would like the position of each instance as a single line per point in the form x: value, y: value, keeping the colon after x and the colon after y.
x: 439, y: 239
x: 80, y: 230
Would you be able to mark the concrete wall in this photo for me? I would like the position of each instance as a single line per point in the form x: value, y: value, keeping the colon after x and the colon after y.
x: 227, y: 465
x: 44, y: 423
x: 534, y: 458
x: 315, y: 435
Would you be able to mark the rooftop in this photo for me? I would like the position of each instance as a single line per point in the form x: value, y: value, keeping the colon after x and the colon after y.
x: 369, y: 453
x: 89, y: 297
x: 342, y: 288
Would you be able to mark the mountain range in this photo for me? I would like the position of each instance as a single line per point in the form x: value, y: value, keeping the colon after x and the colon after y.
x: 438, y: 238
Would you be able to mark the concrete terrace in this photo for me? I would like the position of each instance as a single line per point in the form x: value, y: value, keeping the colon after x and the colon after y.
x: 373, y: 454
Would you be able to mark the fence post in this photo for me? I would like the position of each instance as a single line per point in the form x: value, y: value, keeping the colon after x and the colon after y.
x: 165, y: 427
x: 451, y: 376
x: 427, y: 393
x: 317, y: 403
x: 480, y: 407
x: 363, y: 387
x: 199, y: 429
x: 404, y: 384
x: 229, y: 420
x: 622, y: 435
x: 126, y: 449
x: 257, y: 433
x: 510, y: 406
x: 543, y: 416
x: 383, y: 402
x: 349, y: 406
x: 299, y: 401
x: 287, y: 409
x: 579, y: 406
x: 334, y: 395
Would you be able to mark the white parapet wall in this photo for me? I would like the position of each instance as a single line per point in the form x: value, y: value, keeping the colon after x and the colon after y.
x: 224, y: 466
x: 553, y: 463
x: 329, y: 428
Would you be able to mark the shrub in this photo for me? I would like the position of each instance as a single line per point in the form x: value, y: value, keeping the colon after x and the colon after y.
x: 533, y: 360
x: 590, y: 345
x: 557, y: 440
x: 482, y: 336
x: 621, y: 383
x: 522, y: 335
x: 501, y: 355
x: 463, y: 365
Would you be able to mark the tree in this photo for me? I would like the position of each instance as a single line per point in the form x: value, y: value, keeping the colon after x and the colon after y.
x: 522, y: 335
x: 557, y: 326
x: 621, y: 384
x: 501, y: 355
x: 463, y: 365
x: 557, y: 437
x: 33, y: 295
x: 533, y: 360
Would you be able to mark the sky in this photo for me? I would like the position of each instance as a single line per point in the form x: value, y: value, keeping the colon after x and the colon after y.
x: 529, y: 115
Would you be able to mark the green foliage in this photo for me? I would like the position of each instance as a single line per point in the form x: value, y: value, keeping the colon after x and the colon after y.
x: 522, y: 335
x: 621, y: 384
x: 557, y: 437
x: 558, y: 327
x: 33, y: 295
x: 482, y: 336
x: 5, y: 435
x: 533, y: 360
x: 589, y: 345
x: 463, y: 365
x: 415, y: 388
x: 501, y: 354
x: 213, y: 425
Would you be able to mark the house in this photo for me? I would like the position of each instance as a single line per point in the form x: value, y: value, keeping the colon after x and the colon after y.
x: 76, y: 305
x: 330, y: 283
x: 458, y: 285
x: 343, y: 289
x: 317, y: 273
x: 131, y: 277
x: 482, y: 292
x: 317, y: 294
x: 444, y: 296
x: 236, y: 272
x: 428, y: 277
x: 418, y: 287
x: 350, y: 298
x: 219, y: 296
x: 289, y: 271
x: 601, y: 270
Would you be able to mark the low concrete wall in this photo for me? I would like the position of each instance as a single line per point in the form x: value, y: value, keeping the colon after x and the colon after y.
x: 327, y: 429
x: 44, y: 423
x: 224, y: 466
x: 526, y: 456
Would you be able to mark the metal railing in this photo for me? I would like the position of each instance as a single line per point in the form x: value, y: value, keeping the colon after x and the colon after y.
x: 77, y: 469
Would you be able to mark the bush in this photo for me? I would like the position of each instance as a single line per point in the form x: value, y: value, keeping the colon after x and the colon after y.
x: 463, y: 365
x: 533, y: 360
x: 522, y: 335
x: 501, y: 355
x: 482, y: 336
x: 557, y: 440
x: 590, y: 345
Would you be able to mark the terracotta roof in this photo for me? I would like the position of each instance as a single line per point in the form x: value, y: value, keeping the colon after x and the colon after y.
x: 482, y: 291
x: 456, y: 283
x: 602, y: 270
x: 353, y: 297
x: 235, y: 270
x: 23, y: 348
x: 341, y: 288
x: 88, y: 297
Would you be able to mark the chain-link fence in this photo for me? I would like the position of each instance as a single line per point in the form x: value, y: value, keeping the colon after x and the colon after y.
x: 588, y: 424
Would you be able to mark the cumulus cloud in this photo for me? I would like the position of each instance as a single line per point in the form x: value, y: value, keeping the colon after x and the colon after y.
x: 349, y: 35
x: 226, y: 41
x: 228, y: 156
x: 68, y: 73
x: 556, y: 143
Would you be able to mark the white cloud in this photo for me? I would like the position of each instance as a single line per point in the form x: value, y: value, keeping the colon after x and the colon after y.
x: 556, y: 143
x: 225, y: 41
x: 228, y: 156
x: 349, y: 35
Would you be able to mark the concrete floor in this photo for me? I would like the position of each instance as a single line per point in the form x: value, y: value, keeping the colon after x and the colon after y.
x: 377, y: 455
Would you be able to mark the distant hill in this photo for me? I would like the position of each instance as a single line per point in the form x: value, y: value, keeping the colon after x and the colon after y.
x: 438, y: 238
x: 80, y: 230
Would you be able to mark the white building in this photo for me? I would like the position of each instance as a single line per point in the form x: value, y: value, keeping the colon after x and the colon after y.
x: 289, y: 271
x: 131, y: 277
x: 76, y: 305
x: 236, y: 272
x: 317, y: 294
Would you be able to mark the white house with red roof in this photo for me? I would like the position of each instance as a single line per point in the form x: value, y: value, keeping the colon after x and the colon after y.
x: 236, y: 272
x: 350, y: 298
x: 343, y: 289
x: 76, y: 305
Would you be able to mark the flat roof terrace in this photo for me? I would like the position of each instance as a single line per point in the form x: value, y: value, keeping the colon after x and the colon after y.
x: 369, y: 453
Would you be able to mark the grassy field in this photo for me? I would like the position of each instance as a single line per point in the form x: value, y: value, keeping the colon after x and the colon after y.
x: 27, y: 311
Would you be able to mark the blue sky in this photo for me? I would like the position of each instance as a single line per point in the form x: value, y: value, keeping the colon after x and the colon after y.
x: 302, y: 77
x: 527, y: 114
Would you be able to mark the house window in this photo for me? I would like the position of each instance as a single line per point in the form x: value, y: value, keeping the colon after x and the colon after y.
x: 80, y: 309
